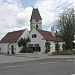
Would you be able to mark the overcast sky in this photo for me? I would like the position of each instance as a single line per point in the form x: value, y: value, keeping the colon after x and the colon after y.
x: 15, y: 14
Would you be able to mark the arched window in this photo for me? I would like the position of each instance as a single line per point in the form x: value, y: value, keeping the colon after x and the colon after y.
x: 36, y: 20
x: 36, y: 26
x: 12, y: 49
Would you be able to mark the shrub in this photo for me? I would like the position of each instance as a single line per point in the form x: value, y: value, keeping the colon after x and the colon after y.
x: 54, y: 53
x: 64, y: 52
x: 73, y: 51
x: 26, y: 50
x: 23, y: 50
x: 29, y: 50
x: 47, y: 45
x: 57, y: 48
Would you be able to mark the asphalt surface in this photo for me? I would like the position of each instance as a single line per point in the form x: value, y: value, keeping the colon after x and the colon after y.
x: 48, y: 66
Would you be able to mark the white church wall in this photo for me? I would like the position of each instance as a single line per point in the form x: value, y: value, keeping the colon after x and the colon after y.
x: 61, y: 43
x: 10, y: 49
x: 38, y: 40
x: 34, y: 23
x: 52, y: 46
x: 41, y: 41
x: 4, y: 47
x: 24, y: 35
x: 18, y: 49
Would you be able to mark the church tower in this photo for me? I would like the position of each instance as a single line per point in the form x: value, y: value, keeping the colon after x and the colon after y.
x: 36, y: 20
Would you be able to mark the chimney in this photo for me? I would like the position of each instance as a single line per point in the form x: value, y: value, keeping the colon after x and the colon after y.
x: 52, y: 31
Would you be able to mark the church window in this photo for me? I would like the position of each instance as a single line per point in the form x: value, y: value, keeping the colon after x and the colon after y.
x: 36, y: 20
x: 34, y: 36
x: 30, y: 45
x: 36, y: 26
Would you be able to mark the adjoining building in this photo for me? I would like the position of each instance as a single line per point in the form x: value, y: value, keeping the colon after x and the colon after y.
x: 9, y: 43
x: 37, y: 36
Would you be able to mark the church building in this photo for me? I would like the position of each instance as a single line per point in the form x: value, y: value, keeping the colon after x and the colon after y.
x: 38, y: 37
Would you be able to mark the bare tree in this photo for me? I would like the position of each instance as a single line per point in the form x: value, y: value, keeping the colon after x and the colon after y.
x: 66, y: 26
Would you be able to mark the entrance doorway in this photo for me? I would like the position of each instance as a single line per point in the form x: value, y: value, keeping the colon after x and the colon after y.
x: 12, y: 49
x: 73, y: 45
x: 33, y: 48
x: 36, y: 48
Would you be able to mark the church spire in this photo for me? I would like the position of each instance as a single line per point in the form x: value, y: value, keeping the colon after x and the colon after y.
x: 35, y: 14
x: 36, y: 20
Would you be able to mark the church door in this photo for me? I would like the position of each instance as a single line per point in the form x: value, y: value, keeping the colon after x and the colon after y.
x: 12, y: 49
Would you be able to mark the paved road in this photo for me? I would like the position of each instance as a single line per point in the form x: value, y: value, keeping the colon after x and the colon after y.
x: 4, y: 58
x: 48, y: 66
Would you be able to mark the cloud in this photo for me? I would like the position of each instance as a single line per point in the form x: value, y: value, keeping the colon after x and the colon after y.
x: 50, y: 9
x: 23, y: 18
x: 9, y: 7
x: 8, y: 10
x: 14, y: 17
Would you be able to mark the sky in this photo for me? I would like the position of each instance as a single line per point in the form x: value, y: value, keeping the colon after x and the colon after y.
x: 16, y: 14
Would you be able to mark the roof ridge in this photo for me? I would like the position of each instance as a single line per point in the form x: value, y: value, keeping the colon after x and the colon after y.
x: 46, y: 34
x: 12, y: 36
x: 42, y: 30
x: 16, y: 31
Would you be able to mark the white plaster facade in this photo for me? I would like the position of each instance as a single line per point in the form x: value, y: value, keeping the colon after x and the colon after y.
x: 33, y: 24
x: 61, y: 43
x: 40, y: 40
x: 24, y: 35
x: 5, y: 47
x: 37, y: 40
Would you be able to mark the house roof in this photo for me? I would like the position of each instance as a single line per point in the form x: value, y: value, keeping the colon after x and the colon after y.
x: 59, y: 38
x: 48, y: 36
x: 12, y: 36
x: 35, y: 15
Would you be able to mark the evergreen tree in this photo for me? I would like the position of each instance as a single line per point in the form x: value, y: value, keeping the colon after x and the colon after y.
x: 23, y: 43
x: 47, y: 45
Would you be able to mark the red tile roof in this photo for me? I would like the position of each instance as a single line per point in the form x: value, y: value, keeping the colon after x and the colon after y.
x: 12, y: 36
x: 48, y: 36
x: 59, y: 39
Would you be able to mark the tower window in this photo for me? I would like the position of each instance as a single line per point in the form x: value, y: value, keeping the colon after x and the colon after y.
x: 36, y: 26
x: 34, y: 36
x: 36, y: 20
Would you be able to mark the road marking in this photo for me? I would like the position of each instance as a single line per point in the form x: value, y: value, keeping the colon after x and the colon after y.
x: 49, y: 62
x: 12, y: 66
x: 72, y: 74
x: 71, y: 60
